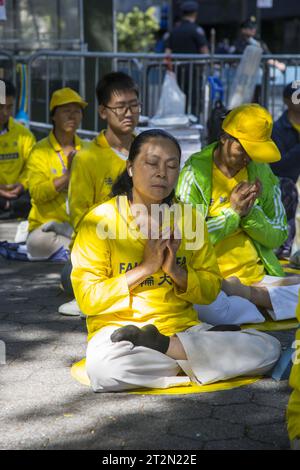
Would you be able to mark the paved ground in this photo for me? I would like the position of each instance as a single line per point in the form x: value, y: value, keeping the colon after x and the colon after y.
x: 43, y: 408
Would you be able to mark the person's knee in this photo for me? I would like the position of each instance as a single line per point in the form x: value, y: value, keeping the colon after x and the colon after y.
x: 274, y: 348
x: 40, y: 244
x: 271, y: 350
x: 108, y: 367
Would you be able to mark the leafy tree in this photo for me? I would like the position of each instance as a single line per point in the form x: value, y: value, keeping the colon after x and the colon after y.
x: 136, y: 30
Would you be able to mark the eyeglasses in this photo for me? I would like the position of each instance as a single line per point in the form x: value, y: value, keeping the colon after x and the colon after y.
x: 134, y: 108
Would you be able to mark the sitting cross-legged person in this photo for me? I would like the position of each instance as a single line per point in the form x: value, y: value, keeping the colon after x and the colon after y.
x: 241, y: 200
x: 16, y: 143
x: 136, y: 275
x: 49, y: 170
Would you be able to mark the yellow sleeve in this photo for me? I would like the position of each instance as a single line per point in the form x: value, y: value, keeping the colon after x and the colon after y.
x: 95, y: 290
x: 28, y: 143
x: 81, y: 191
x: 204, y: 277
x: 41, y: 186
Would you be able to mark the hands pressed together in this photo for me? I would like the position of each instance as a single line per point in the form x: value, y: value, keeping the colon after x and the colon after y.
x: 161, y: 254
x: 244, y: 195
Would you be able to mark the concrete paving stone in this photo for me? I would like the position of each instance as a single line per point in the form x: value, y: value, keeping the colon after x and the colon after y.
x: 238, y: 444
x: 29, y: 350
x: 268, y: 385
x: 223, y: 397
x: 34, y: 390
x: 274, y: 400
x: 141, y: 432
x: 56, y: 376
x: 251, y: 415
x: 73, y: 352
x: 43, y: 316
x: 9, y: 326
x: 65, y: 424
x: 146, y: 441
x: 172, y: 410
x: 11, y: 374
x: 273, y: 434
x: 206, y: 430
x: 51, y: 327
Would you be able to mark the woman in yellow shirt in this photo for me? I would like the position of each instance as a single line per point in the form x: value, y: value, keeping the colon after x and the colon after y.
x: 140, y: 262
x: 49, y: 173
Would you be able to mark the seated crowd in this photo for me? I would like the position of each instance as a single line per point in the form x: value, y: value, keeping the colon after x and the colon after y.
x: 165, y: 263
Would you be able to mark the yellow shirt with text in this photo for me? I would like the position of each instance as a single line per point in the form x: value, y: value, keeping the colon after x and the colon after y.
x: 15, y: 147
x: 108, y: 245
x: 236, y: 254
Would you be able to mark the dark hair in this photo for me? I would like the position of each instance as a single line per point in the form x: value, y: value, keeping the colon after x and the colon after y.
x: 114, y: 82
x: 123, y: 185
x: 10, y: 89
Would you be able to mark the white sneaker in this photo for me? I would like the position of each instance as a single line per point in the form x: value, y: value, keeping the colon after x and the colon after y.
x: 22, y: 232
x: 70, y: 308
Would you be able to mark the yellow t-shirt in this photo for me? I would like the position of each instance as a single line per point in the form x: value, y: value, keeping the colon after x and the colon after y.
x: 296, y: 126
x: 236, y: 254
x: 46, y: 163
x: 94, y: 170
x: 15, y: 147
x: 99, y: 280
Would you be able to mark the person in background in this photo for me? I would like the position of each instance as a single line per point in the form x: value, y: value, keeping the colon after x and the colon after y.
x: 247, y: 37
x: 286, y: 135
x: 16, y: 143
x: 246, y: 219
x: 96, y: 168
x: 187, y: 37
x: 138, y: 290
x: 49, y: 168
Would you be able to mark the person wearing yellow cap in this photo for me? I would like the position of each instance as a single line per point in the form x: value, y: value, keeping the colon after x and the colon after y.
x: 293, y: 410
x: 49, y: 173
x: 246, y: 219
x: 136, y: 274
x: 16, y: 143
x: 96, y: 168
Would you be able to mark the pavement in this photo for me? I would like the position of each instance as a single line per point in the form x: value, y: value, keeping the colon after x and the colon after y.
x: 42, y: 407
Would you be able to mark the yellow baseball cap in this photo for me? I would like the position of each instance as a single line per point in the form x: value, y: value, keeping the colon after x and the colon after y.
x: 252, y: 125
x: 65, y: 96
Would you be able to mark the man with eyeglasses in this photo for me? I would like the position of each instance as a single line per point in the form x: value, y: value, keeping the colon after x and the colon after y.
x: 95, y: 169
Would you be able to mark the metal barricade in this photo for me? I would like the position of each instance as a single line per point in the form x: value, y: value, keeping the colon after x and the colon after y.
x: 8, y: 66
x: 49, y: 70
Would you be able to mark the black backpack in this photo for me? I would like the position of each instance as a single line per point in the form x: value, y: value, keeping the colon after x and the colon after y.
x: 214, y: 122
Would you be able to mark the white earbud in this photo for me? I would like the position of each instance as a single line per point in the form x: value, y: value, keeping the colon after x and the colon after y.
x: 130, y: 172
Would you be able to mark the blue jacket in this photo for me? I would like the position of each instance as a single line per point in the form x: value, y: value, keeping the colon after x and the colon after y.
x: 287, y: 140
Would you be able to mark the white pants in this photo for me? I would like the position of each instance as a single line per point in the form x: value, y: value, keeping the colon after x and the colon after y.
x: 41, y: 245
x: 237, y: 310
x: 211, y: 356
